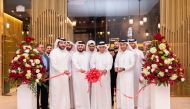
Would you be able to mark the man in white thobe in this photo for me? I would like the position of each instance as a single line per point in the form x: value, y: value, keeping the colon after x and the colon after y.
x: 71, y: 49
x: 144, y: 98
x: 138, y: 67
x: 91, y: 47
x: 101, y: 91
x: 80, y: 66
x: 60, y: 60
x: 124, y: 66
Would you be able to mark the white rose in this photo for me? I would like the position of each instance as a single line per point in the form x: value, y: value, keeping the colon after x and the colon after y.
x: 15, y: 58
x: 25, y: 55
x: 148, y: 67
x: 166, y: 52
x: 28, y: 71
x: 27, y: 65
x: 146, y: 72
x: 154, y: 66
x: 156, y: 57
x: 172, y: 59
x: 182, y: 79
x: 153, y: 50
x: 19, y: 69
x: 35, y: 50
x: 37, y: 61
x: 27, y: 51
x: 152, y: 57
x: 28, y: 75
x: 39, y: 75
x: 157, y: 60
x: 170, y: 67
x: 31, y: 60
x: 13, y: 71
x: 33, y: 64
x: 162, y: 46
x: 161, y: 74
x: 37, y: 71
x: 173, y: 77
x: 24, y: 60
x: 37, y: 80
x: 166, y: 61
x: 18, y: 51
x: 166, y: 70
x: 152, y: 70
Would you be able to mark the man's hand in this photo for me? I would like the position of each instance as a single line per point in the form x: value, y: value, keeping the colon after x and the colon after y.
x: 116, y: 69
x: 121, y: 70
x: 82, y: 71
x: 104, y: 72
x: 67, y: 72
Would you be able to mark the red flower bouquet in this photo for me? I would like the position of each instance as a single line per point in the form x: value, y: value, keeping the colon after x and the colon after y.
x: 27, y: 66
x: 161, y: 65
x: 93, y: 75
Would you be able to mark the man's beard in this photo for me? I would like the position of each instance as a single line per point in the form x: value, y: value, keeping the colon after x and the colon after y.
x: 62, y: 48
x: 68, y: 49
x: 80, y: 50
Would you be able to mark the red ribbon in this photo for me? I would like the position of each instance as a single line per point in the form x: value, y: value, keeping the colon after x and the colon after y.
x: 54, y: 76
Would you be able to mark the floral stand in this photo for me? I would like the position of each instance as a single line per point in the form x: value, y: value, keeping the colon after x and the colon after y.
x: 26, y: 98
x: 160, y: 97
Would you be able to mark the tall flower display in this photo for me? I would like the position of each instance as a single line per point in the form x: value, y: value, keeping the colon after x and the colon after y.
x: 27, y: 66
x: 161, y: 65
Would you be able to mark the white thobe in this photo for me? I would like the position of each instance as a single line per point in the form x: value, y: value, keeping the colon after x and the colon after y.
x: 71, y: 84
x: 59, y: 87
x: 144, y: 101
x: 139, y: 56
x: 80, y: 84
x: 125, y: 79
x: 101, y: 91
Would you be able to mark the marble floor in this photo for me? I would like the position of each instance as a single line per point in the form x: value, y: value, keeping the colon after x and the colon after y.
x: 9, y: 102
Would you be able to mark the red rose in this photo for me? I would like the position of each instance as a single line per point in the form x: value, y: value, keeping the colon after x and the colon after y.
x: 28, y: 39
x: 159, y: 37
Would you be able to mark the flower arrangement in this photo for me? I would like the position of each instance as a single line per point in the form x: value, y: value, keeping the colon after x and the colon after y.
x: 27, y: 66
x: 161, y: 65
x: 93, y: 75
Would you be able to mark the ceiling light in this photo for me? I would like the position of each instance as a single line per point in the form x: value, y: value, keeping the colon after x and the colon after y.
x: 145, y: 19
x: 158, y: 25
x: 130, y: 21
x: 7, y: 25
x: 141, y: 22
x: 74, y: 23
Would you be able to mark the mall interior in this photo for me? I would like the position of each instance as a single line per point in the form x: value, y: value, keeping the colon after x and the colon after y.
x: 107, y: 20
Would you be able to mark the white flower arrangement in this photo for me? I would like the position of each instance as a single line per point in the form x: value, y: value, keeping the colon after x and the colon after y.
x: 173, y: 77
x: 162, y: 46
x: 161, y: 74
x: 153, y: 50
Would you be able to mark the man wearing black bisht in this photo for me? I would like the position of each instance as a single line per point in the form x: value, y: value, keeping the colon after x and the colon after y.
x: 113, y: 74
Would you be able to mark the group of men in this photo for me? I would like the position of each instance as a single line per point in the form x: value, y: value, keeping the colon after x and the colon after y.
x: 120, y: 69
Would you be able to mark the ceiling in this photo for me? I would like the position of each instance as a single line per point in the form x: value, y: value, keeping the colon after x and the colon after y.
x: 10, y: 8
x: 87, y: 8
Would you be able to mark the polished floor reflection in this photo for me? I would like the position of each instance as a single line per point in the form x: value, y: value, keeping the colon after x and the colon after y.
x: 9, y: 102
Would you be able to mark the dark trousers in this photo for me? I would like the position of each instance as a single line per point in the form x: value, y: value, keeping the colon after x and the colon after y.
x: 113, y: 85
x: 43, y: 99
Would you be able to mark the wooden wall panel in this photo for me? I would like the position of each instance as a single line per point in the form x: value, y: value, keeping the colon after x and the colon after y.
x: 175, y: 25
x: 49, y: 21
x: 1, y: 33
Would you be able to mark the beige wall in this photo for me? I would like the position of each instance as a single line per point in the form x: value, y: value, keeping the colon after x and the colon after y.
x: 49, y: 20
x: 175, y: 25
x: 1, y: 32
